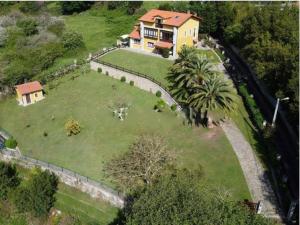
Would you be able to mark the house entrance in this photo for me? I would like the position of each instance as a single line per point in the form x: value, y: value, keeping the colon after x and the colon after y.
x: 28, y: 100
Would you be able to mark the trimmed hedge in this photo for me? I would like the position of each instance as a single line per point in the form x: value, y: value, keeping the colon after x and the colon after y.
x: 173, y: 107
x: 131, y: 83
x: 123, y: 79
x: 10, y: 143
x: 158, y: 94
x: 252, y: 106
x: 99, y: 70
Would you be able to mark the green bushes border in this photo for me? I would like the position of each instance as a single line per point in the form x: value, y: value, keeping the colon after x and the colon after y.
x: 250, y: 103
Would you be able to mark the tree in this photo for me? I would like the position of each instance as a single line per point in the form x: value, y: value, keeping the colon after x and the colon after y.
x: 214, y: 95
x: 72, y: 127
x: 190, y: 68
x: 72, y: 40
x: 43, y: 187
x: 133, y: 6
x: 142, y: 164
x: 68, y: 8
x: 37, y: 194
x: 30, y: 7
x: 177, y: 199
x: 208, y: 12
x: 9, y: 179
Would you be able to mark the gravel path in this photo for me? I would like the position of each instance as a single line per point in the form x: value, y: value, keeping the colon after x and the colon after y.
x: 255, y: 175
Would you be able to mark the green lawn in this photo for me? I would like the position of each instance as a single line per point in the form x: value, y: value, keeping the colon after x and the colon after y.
x: 87, y: 209
x: 211, y: 56
x: 99, y: 27
x: 155, y: 67
x: 103, y: 137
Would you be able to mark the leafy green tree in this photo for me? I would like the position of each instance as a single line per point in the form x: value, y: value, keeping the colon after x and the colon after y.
x: 208, y: 12
x: 9, y: 179
x: 213, y: 96
x: 178, y: 199
x: 70, y: 7
x: 29, y: 26
x: 30, y: 7
x: 22, y: 199
x: 190, y: 68
x: 72, y: 40
x: 133, y: 6
x: 43, y: 187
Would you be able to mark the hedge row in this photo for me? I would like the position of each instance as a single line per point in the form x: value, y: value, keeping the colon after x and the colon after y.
x: 252, y: 106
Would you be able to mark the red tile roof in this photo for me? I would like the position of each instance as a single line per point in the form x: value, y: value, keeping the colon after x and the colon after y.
x: 163, y: 44
x: 135, y: 33
x: 169, y: 18
x: 29, y: 87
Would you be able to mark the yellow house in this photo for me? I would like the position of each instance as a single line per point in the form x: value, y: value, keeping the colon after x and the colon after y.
x: 159, y: 29
x: 29, y: 93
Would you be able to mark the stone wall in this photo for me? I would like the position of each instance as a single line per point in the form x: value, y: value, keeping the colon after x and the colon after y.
x: 91, y: 187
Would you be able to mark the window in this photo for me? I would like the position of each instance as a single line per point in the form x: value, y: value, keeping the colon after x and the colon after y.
x: 185, y: 33
x: 148, y: 32
x: 166, y: 36
x: 150, y: 44
x: 136, y: 41
x: 158, y: 23
x: 194, y: 32
x: 36, y: 95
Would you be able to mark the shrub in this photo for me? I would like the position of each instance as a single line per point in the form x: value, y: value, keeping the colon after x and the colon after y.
x: 106, y: 73
x: 57, y: 27
x: 160, y: 106
x: 29, y: 26
x: 45, y: 134
x: 30, y: 7
x: 72, y: 40
x: 9, y: 179
x: 131, y: 83
x: 72, y: 127
x: 165, y: 53
x: 123, y: 79
x: 71, y: 7
x: 173, y: 107
x: 99, y: 70
x: 10, y: 143
x: 251, y: 105
x: 158, y: 94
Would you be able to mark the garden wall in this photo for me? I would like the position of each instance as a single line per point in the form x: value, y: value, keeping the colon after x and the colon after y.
x: 91, y: 187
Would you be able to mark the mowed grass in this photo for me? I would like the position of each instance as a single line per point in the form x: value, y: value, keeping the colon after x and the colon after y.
x: 79, y: 204
x: 155, y: 67
x: 88, y: 99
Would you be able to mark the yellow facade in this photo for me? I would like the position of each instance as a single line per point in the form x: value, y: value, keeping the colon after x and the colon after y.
x: 186, y: 34
x: 30, y: 98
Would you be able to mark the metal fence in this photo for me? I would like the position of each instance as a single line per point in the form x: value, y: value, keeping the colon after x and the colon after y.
x: 31, y: 162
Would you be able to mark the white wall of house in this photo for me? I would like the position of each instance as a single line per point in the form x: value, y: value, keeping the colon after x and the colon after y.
x: 142, y: 34
x: 175, y: 30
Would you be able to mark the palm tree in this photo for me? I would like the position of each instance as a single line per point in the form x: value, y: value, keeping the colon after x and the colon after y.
x: 213, y: 95
x: 184, y: 55
x: 184, y: 74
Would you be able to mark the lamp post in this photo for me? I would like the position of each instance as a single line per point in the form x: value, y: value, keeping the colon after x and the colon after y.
x: 276, y: 109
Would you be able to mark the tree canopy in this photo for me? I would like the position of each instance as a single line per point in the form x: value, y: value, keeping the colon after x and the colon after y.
x: 178, y: 198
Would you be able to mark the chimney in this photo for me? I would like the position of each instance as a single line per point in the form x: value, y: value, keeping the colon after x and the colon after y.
x: 188, y: 12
